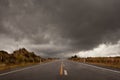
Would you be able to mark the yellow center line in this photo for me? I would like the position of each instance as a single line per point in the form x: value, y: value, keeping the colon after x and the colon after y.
x: 61, y: 69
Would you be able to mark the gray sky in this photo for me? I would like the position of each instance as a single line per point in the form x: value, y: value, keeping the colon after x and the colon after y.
x: 60, y: 27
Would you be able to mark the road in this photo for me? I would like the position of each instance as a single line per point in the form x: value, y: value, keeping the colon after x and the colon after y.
x: 61, y: 70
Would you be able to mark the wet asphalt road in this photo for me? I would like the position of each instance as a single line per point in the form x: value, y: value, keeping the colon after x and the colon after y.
x: 52, y: 71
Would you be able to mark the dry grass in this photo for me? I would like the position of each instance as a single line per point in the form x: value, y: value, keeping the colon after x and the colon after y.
x: 113, y: 62
x: 11, y: 66
x: 4, y: 67
x: 109, y: 65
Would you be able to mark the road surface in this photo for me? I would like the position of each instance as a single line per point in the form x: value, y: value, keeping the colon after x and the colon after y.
x: 61, y: 70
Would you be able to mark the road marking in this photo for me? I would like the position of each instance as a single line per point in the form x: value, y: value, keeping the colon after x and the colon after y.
x: 2, y: 74
x: 65, y: 72
x: 15, y: 71
x: 102, y: 68
x: 61, y: 69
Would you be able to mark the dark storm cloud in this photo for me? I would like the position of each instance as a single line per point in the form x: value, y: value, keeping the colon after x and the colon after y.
x: 72, y: 24
x: 86, y: 22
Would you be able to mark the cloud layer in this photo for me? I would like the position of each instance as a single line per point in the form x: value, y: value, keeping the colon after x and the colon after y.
x: 58, y: 27
x: 103, y: 50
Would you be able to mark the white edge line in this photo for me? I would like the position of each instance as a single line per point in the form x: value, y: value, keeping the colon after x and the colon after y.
x: 2, y: 74
x: 101, y: 68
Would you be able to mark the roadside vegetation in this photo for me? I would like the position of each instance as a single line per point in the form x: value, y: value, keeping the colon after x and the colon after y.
x: 102, y: 61
x: 20, y: 58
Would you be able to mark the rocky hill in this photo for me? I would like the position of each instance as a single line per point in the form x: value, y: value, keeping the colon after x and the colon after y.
x: 19, y: 56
